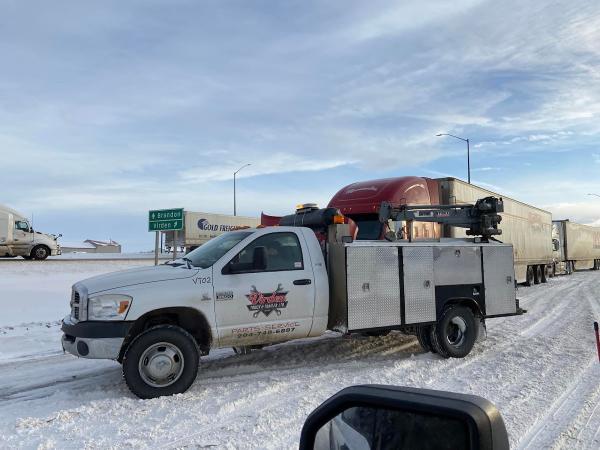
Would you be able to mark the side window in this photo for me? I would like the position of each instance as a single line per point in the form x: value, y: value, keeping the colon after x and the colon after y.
x: 283, y: 252
x: 21, y: 225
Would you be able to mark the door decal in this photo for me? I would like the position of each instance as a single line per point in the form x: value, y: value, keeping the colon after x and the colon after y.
x: 267, y: 302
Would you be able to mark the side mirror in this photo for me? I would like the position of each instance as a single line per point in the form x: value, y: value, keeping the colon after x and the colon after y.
x: 555, y: 245
x: 259, y: 258
x: 376, y: 417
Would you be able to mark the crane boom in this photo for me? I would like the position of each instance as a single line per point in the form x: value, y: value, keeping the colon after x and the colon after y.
x: 481, y: 219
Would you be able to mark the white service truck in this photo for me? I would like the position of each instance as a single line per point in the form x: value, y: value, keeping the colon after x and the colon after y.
x: 17, y: 237
x: 254, y: 287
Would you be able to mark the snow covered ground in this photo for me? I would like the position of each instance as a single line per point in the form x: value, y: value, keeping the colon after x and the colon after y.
x: 540, y: 369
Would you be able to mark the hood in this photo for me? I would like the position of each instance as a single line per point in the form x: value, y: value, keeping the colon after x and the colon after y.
x: 135, y: 276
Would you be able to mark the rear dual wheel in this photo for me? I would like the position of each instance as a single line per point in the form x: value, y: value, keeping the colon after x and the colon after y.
x: 529, y: 277
x: 424, y: 338
x: 455, y: 333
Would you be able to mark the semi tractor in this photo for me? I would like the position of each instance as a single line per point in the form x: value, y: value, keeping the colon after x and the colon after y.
x: 575, y: 247
x: 200, y: 227
x: 254, y: 287
x: 18, y: 238
x: 527, y: 228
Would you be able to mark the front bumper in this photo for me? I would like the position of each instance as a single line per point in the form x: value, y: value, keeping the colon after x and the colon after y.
x: 94, y: 339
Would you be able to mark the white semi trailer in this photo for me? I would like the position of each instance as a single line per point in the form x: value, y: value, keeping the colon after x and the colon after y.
x: 575, y: 246
x: 527, y: 228
x: 17, y: 237
x: 200, y: 227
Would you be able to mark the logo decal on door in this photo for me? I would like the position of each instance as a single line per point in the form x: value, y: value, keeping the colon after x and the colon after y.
x: 267, y: 302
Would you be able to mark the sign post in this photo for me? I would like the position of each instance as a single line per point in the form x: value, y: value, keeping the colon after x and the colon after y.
x: 165, y: 220
x: 156, y: 249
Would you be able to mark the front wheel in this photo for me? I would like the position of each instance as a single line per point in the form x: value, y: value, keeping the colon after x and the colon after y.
x: 162, y: 360
x: 40, y: 252
x: 455, y: 333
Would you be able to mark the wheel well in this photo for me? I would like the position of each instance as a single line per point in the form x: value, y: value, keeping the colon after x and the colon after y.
x: 468, y: 302
x: 190, y: 319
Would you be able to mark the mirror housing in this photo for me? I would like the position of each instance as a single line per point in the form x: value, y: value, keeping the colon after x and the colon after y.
x: 486, y: 429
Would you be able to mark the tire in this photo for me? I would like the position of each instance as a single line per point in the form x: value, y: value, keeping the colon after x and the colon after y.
x: 529, y: 276
x: 569, y: 268
x: 159, y: 345
x: 544, y: 270
x: 424, y: 338
x: 455, y: 333
x: 40, y: 252
x: 243, y: 350
x: 553, y: 271
x: 537, y: 274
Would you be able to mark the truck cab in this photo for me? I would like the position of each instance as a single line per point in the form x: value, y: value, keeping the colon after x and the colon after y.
x: 243, y: 288
x: 18, y: 238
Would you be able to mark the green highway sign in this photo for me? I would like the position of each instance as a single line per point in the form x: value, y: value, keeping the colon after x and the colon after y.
x: 165, y: 220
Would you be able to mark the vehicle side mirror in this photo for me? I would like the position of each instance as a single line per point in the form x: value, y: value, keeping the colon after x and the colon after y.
x: 259, y: 258
x: 377, y: 417
x: 555, y: 245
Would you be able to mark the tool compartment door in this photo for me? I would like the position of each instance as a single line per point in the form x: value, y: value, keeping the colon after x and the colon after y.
x: 419, y: 288
x: 499, y: 280
x: 373, y: 286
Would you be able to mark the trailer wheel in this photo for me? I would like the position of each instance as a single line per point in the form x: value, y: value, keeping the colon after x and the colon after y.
x: 553, y: 271
x: 569, y: 268
x: 544, y: 269
x: 529, y: 276
x: 455, y: 333
x: 537, y: 274
x: 40, y: 252
x: 162, y: 360
x: 424, y: 338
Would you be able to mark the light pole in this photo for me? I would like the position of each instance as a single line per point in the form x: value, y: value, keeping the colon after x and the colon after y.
x: 234, y: 174
x: 468, y: 153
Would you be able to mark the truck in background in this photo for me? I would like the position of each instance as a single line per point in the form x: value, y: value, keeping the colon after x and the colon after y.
x: 200, y: 227
x: 17, y: 237
x: 575, y: 247
x: 527, y: 228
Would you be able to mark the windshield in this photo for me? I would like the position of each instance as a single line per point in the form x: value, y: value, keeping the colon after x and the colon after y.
x: 206, y: 255
x: 369, y: 230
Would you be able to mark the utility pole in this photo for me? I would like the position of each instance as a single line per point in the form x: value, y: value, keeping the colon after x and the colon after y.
x: 468, y: 153
x: 234, y: 174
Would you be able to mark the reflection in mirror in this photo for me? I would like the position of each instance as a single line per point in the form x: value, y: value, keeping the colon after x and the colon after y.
x: 365, y: 428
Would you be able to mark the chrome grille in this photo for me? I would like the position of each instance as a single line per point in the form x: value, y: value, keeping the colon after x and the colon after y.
x: 75, y: 303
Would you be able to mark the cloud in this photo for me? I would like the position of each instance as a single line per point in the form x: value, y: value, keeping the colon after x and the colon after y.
x: 113, y: 104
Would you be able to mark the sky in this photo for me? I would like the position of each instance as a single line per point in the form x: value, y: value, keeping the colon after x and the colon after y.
x: 110, y: 109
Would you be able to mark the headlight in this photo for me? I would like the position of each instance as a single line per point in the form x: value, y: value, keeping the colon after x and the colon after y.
x: 108, y: 307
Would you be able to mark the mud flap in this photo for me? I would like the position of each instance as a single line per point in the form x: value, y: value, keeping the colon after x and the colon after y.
x: 481, y: 330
